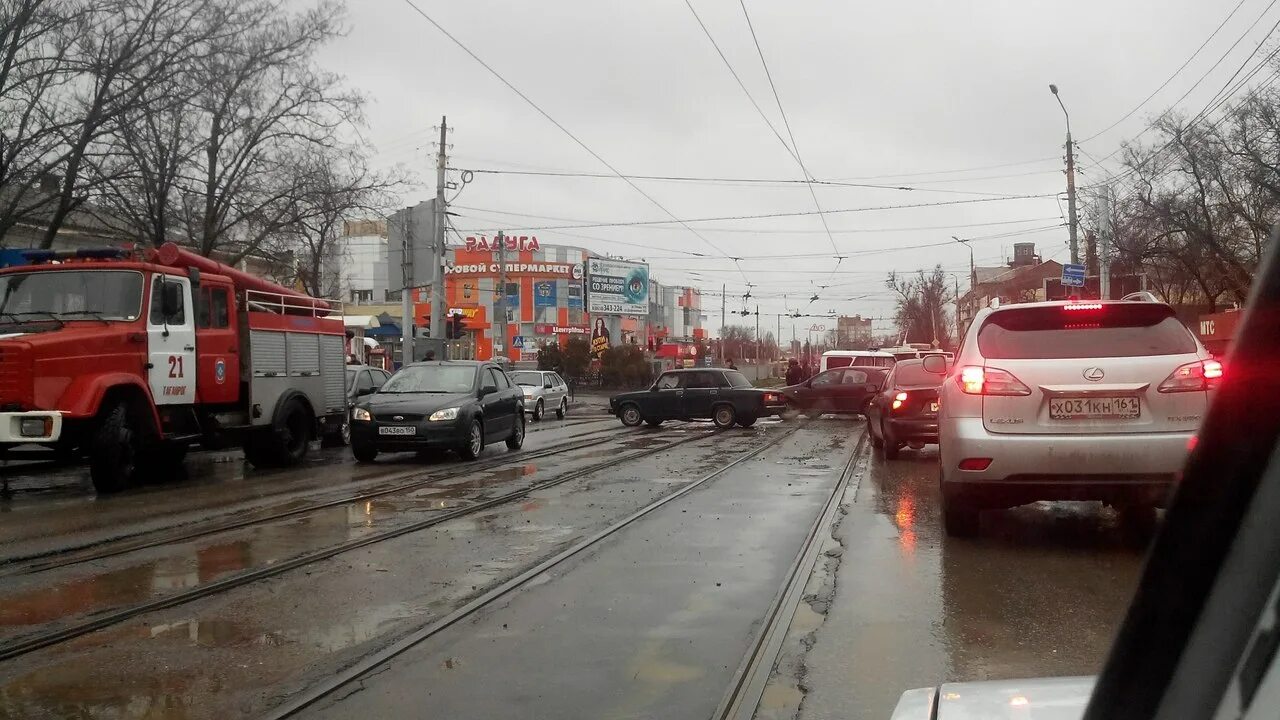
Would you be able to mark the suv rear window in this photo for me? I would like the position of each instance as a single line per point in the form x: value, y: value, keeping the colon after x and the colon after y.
x: 1112, y: 331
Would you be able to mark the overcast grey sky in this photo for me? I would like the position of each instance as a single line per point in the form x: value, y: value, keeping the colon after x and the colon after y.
x: 894, y: 92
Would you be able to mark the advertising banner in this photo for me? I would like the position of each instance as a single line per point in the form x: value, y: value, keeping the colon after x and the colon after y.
x: 599, y: 338
x: 616, y: 287
x: 544, y: 294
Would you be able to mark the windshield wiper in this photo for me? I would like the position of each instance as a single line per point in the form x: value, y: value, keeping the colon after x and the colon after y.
x: 17, y: 316
x: 97, y: 315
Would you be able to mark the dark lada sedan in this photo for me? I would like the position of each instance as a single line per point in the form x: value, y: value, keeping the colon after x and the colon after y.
x: 725, y: 396
x: 457, y: 405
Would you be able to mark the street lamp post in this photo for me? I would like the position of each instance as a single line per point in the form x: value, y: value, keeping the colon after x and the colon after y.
x: 973, y: 282
x: 1071, y: 180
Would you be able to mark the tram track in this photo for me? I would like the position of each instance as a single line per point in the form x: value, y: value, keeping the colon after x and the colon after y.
x: 743, y: 696
x: 369, y: 663
x: 23, y: 645
x: 156, y: 537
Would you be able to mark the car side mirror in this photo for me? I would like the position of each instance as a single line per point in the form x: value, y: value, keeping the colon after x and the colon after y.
x: 935, y: 364
x: 365, y: 391
x: 170, y: 299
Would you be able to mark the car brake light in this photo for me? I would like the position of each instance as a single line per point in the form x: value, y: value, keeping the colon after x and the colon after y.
x: 899, y: 399
x: 976, y: 380
x: 1076, y: 307
x: 1193, y: 377
x: 975, y: 464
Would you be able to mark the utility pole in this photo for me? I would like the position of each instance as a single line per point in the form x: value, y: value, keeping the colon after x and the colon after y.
x: 757, y: 335
x: 500, y: 347
x: 406, y: 292
x: 438, y: 299
x: 1073, y: 223
x: 723, y: 295
x: 957, y: 282
x: 1104, y: 275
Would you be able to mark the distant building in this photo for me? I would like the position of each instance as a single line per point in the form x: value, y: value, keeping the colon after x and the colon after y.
x: 1021, y: 280
x: 853, y: 333
x: 362, y: 263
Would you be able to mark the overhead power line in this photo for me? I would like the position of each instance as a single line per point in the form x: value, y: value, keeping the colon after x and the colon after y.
x: 742, y: 85
x: 727, y: 180
x: 1169, y: 79
x: 561, y: 127
x: 764, y: 216
x: 787, y: 124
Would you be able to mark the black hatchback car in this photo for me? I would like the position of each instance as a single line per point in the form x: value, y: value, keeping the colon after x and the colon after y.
x: 456, y: 405
x: 905, y: 411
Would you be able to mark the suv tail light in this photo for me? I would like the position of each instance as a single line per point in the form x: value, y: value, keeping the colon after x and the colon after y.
x: 976, y: 380
x: 1193, y: 377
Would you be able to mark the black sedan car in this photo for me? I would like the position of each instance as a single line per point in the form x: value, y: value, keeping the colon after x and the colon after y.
x: 843, y: 390
x: 724, y: 396
x: 905, y: 411
x: 457, y: 405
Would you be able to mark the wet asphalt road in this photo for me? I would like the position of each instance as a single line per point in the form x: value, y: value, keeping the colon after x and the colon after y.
x: 651, y: 622
x: 1039, y: 593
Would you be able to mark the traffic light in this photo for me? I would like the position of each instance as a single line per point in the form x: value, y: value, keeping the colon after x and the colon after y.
x: 453, y: 327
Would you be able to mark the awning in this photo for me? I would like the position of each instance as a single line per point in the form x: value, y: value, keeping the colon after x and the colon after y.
x: 360, y: 321
x: 384, y: 331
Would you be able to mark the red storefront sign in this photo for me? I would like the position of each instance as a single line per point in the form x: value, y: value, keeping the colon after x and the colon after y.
x: 514, y: 243
x: 549, y: 329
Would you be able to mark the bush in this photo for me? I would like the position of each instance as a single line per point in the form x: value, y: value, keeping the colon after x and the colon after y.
x: 572, y: 361
x: 625, y: 366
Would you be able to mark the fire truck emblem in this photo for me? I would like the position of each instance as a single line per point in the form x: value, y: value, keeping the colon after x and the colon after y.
x: 220, y: 370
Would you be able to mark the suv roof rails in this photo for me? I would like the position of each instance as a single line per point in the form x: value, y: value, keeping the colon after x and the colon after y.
x: 1141, y: 296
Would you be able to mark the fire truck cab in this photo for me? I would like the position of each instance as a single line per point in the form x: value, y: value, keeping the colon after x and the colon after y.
x: 127, y: 357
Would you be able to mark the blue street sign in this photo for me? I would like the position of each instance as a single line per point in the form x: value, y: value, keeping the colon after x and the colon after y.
x: 517, y: 341
x: 1073, y: 275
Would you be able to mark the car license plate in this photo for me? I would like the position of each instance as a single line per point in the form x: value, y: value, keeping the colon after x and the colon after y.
x: 1094, y: 408
x: 398, y: 430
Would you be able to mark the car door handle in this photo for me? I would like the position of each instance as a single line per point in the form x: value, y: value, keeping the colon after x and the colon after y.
x: 189, y: 348
x: 679, y: 392
x: 715, y: 392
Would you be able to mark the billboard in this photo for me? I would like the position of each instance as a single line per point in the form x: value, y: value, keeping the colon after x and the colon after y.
x: 616, y: 287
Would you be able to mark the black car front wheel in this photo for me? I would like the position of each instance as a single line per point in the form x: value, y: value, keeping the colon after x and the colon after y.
x: 630, y: 415
x: 364, y: 453
x: 517, y: 435
x: 474, y: 444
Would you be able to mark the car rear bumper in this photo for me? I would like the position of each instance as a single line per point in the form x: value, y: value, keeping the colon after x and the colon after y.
x: 429, y: 435
x: 1061, y: 467
x: 913, y: 429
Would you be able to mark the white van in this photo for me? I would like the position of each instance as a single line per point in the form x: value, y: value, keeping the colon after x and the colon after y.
x: 861, y: 358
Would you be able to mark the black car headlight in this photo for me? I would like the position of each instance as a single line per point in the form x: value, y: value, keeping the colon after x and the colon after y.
x: 445, y: 414
x: 361, y: 414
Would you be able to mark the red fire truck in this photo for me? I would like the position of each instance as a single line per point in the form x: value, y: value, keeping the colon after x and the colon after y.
x: 128, y: 356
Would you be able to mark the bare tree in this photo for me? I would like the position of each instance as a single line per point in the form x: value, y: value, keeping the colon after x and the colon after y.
x: 921, y: 306
x: 332, y: 190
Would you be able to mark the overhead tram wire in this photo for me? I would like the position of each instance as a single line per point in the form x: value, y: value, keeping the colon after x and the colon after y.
x: 742, y: 85
x: 763, y: 216
x: 1170, y: 79
x: 564, y: 130
x: 1206, y: 74
x: 728, y: 180
x: 808, y: 177
x: 779, y: 231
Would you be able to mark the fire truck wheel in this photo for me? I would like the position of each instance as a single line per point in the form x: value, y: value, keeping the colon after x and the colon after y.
x: 257, y: 449
x: 293, y: 430
x: 113, y: 451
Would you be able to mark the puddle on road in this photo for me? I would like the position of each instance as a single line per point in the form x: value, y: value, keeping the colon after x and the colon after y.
x: 151, y: 689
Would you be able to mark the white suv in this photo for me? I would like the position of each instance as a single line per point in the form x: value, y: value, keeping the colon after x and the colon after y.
x: 1070, y: 401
